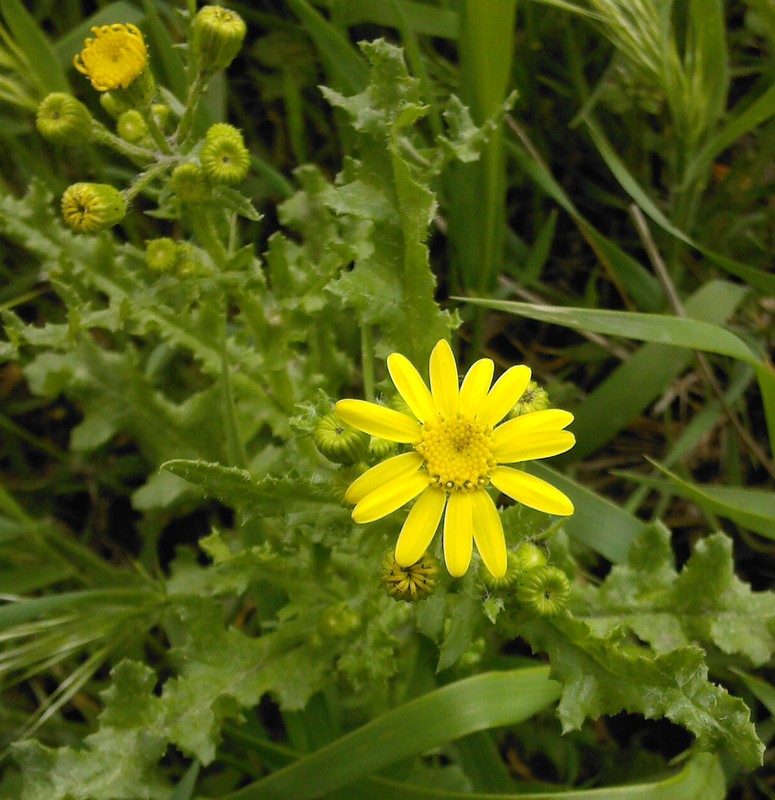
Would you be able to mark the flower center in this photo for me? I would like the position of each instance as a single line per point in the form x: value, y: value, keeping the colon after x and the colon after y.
x: 457, y: 453
x: 114, y: 58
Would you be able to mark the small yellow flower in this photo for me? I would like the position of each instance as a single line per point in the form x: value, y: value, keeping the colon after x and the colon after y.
x: 456, y: 453
x: 114, y: 58
x: 92, y: 207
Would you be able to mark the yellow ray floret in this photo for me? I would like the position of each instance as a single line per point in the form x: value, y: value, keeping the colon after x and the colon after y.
x: 114, y: 57
x: 458, y: 450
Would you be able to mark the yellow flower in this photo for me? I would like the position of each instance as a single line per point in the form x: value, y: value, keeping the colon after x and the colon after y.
x: 114, y: 58
x: 456, y: 453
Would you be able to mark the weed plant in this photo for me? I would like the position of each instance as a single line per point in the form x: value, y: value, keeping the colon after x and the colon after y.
x: 388, y: 409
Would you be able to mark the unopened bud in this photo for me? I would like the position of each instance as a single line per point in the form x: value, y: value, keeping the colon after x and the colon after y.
x: 412, y: 583
x: 379, y: 450
x: 514, y: 570
x: 92, y: 207
x: 224, y: 157
x: 534, y: 398
x: 339, y: 621
x: 162, y: 255
x: 131, y: 127
x: 339, y: 442
x: 216, y: 38
x: 544, y: 591
x: 62, y: 119
x: 189, y: 183
x: 114, y: 105
x: 529, y: 556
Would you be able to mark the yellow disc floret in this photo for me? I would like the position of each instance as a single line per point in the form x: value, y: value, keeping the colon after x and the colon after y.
x: 457, y: 453
x: 114, y: 58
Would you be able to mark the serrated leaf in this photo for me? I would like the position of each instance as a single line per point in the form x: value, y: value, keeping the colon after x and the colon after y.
x: 269, y: 496
x: 705, y: 604
x: 118, y: 762
x: 607, y: 675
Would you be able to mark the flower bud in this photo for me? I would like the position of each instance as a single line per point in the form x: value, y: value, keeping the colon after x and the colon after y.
x: 412, y: 583
x: 544, y: 591
x: 131, y: 127
x: 162, y: 255
x: 529, y: 556
x: 113, y: 104
x: 514, y: 571
x: 92, y: 207
x: 216, y: 37
x: 62, y: 119
x: 224, y: 157
x: 339, y: 621
x: 379, y: 450
x: 534, y: 398
x: 189, y: 183
x: 338, y: 442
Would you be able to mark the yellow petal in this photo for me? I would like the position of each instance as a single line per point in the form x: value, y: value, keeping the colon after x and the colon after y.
x: 516, y: 439
x: 504, y: 395
x: 444, y: 379
x: 458, y: 533
x: 384, y: 423
x: 531, y: 491
x: 533, y: 446
x: 389, y: 497
x: 420, y: 525
x: 411, y: 386
x: 383, y: 473
x: 488, y: 533
x: 475, y: 385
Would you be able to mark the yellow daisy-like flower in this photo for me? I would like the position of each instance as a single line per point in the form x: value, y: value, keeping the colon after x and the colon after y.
x: 456, y: 453
x: 114, y: 58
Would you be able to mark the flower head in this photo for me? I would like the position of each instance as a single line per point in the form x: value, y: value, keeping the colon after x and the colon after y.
x: 114, y: 58
x: 92, y: 207
x: 456, y: 453
x: 62, y: 119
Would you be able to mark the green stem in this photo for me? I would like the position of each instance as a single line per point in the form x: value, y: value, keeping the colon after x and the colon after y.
x: 144, y: 179
x: 156, y: 132
x: 235, y: 447
x: 187, y: 120
x: 101, y: 135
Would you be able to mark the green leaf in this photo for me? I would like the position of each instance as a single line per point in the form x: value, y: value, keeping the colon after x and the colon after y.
x: 484, y: 701
x: 706, y: 604
x: 391, y: 286
x: 43, y: 62
x: 753, y: 509
x: 269, y: 496
x: 658, y: 328
x: 648, y: 372
x: 607, y: 675
x: 757, y: 278
x: 117, y: 762
x: 344, y: 65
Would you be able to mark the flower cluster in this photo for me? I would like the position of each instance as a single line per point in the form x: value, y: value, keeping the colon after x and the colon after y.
x: 458, y: 449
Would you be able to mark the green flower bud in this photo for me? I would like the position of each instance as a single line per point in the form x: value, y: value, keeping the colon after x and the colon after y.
x: 131, y: 127
x: 162, y: 255
x: 514, y: 571
x: 224, y: 157
x: 339, y: 621
x: 534, y: 398
x: 544, y: 591
x: 161, y: 114
x: 189, y: 183
x: 190, y: 264
x: 113, y: 105
x: 379, y: 450
x: 529, y: 556
x: 338, y: 442
x: 92, y: 207
x: 62, y: 119
x: 216, y: 38
x: 409, y: 584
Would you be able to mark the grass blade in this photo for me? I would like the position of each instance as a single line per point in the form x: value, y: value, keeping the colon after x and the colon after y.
x: 473, y: 704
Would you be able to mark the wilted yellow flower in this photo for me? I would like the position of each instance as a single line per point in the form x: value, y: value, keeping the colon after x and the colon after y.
x: 114, y: 58
x: 456, y: 454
